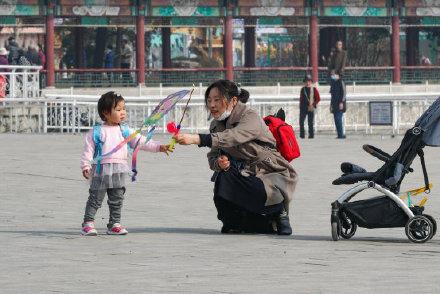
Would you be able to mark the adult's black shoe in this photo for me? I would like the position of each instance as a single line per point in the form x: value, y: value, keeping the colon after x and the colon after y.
x: 230, y: 230
x: 283, y: 224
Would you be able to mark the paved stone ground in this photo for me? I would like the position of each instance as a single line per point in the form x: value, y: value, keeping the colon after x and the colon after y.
x: 174, y: 245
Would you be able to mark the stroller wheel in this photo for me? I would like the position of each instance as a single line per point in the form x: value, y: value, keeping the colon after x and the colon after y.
x: 335, y: 231
x: 348, y: 227
x: 434, y: 223
x: 419, y: 229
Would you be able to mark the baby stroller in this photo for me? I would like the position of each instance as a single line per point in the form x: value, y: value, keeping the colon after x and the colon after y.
x: 389, y: 210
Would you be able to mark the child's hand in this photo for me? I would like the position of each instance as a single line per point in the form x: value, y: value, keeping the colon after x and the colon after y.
x: 86, y: 173
x: 165, y: 149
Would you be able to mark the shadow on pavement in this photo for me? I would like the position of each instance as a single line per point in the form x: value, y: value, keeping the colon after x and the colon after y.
x: 198, y: 231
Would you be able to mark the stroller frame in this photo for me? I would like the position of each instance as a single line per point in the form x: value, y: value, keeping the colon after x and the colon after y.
x: 346, y: 215
x: 419, y: 227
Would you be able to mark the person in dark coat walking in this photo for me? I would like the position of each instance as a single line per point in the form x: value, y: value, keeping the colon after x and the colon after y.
x: 338, y: 103
x: 32, y: 56
x: 13, y: 48
x: 308, y: 100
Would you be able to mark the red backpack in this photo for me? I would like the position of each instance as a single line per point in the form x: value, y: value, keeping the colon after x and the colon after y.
x: 284, y: 135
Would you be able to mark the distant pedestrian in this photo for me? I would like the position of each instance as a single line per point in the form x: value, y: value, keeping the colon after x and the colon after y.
x: 13, y: 48
x: 4, y: 59
x: 109, y: 57
x: 337, y: 60
x: 41, y: 56
x: 308, y: 100
x: 3, y: 77
x: 338, y: 103
x: 32, y: 56
x: 425, y: 61
x: 126, y: 56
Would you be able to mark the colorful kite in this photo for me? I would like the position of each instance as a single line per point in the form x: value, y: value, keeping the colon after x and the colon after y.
x: 171, y: 126
x: 148, y: 127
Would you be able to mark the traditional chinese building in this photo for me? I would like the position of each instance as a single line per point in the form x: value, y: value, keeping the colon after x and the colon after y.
x: 253, y: 42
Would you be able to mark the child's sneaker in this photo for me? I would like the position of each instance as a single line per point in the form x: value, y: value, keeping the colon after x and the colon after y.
x: 88, y: 229
x: 117, y: 229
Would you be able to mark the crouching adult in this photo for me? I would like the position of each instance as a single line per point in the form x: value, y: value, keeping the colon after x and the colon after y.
x: 254, y: 184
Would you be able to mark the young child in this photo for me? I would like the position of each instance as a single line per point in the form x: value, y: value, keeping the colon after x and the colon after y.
x: 109, y: 175
x: 308, y: 100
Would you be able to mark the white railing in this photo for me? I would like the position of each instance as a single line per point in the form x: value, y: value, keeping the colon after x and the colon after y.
x: 77, y: 113
x: 20, y: 81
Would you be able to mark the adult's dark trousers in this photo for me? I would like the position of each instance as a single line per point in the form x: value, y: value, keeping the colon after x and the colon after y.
x: 310, y: 120
x: 240, y: 202
x: 337, y: 115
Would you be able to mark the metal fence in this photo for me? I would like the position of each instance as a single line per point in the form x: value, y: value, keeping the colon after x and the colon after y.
x: 78, y: 113
x: 256, y: 76
x: 178, y: 77
x: 18, y: 81
x: 420, y: 74
x: 95, y: 78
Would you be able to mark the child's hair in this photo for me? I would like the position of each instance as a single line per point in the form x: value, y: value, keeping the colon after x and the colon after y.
x: 107, y: 102
x: 228, y: 90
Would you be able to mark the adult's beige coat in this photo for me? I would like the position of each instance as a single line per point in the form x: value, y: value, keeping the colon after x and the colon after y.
x: 246, y: 137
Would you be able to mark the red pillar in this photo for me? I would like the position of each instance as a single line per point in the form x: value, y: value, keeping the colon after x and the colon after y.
x: 228, y: 48
x: 396, y: 48
x: 50, y: 53
x: 140, y: 46
x: 314, y: 46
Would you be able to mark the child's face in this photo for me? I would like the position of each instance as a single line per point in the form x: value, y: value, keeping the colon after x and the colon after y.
x: 117, y: 115
x: 308, y: 83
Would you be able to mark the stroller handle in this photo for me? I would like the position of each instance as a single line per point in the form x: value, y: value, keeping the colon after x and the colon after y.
x: 376, y: 152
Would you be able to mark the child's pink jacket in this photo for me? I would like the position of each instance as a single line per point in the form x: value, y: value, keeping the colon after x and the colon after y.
x: 111, y: 136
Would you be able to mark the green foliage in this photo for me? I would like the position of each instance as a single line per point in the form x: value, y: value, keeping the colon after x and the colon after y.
x: 368, y: 47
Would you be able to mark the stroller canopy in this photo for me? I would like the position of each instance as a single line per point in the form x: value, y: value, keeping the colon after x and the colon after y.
x: 429, y: 122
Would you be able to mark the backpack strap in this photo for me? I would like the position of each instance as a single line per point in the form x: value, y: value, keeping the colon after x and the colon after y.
x: 98, y: 145
x: 126, y: 133
x: 305, y: 94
